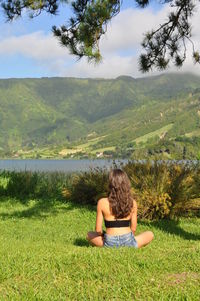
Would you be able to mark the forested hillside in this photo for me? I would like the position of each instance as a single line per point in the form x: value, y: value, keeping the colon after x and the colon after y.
x: 123, y: 117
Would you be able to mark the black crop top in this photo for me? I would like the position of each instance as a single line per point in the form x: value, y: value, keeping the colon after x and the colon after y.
x: 117, y: 223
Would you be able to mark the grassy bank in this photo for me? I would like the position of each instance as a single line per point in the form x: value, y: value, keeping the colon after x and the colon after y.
x: 44, y: 256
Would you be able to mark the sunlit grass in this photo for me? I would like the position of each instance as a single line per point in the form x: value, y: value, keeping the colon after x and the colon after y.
x: 103, y: 149
x: 44, y: 256
x: 158, y: 132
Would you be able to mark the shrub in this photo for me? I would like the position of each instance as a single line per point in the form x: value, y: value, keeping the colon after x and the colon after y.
x: 153, y: 205
x: 50, y: 184
x: 150, y: 183
x: 163, y: 189
x: 21, y: 183
x: 185, y: 188
x: 32, y: 184
x: 181, y: 182
x: 4, y: 179
x: 160, y: 186
x: 87, y: 187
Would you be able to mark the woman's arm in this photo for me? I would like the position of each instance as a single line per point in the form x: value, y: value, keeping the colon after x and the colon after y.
x: 134, y: 217
x: 99, y: 218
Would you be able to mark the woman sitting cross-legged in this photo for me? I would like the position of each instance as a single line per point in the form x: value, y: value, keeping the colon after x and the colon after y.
x: 119, y: 212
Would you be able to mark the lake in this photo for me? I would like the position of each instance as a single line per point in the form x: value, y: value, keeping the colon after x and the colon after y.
x: 56, y: 165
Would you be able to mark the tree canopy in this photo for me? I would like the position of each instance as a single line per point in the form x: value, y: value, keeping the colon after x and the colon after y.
x: 82, y: 32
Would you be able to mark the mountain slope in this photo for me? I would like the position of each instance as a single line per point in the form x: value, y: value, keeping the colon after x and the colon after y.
x: 51, y: 112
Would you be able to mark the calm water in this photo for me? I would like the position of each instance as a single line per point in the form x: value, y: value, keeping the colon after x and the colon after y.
x: 55, y: 165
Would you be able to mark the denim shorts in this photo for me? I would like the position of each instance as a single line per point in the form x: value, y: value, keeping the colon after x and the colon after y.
x: 125, y: 240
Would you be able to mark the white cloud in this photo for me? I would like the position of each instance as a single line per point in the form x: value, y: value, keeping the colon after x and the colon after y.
x: 127, y: 30
x: 120, y: 47
x: 110, y: 67
x: 36, y: 45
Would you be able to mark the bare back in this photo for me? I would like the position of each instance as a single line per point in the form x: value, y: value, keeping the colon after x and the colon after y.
x: 104, y: 207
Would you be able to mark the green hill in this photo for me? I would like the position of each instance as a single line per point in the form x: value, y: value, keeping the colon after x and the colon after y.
x: 121, y: 117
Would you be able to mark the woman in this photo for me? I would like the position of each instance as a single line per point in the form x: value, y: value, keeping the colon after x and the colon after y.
x: 119, y: 212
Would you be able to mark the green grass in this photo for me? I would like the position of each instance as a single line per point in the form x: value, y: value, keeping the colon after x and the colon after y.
x: 44, y: 256
x: 195, y: 133
x: 90, y: 143
x: 103, y: 149
x: 158, y: 132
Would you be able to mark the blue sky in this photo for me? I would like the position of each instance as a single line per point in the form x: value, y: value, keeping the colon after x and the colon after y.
x: 28, y: 49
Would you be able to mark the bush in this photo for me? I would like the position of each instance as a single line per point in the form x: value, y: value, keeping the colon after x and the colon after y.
x: 32, y: 184
x: 163, y: 189
x: 88, y: 187
x: 153, y: 205
x: 150, y: 183
x: 160, y: 186
x: 4, y: 179
x: 21, y: 184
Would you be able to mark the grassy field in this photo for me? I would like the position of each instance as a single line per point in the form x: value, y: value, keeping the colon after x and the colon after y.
x: 158, y: 132
x: 44, y: 256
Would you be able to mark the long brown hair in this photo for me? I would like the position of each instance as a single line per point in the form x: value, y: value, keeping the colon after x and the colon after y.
x: 120, y: 199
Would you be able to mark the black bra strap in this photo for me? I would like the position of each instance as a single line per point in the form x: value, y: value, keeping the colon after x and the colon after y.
x: 117, y: 223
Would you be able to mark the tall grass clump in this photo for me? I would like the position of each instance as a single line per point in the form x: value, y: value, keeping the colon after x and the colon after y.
x: 26, y: 184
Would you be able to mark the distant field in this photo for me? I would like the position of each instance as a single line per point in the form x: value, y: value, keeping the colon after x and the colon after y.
x: 90, y: 142
x: 44, y: 256
x: 158, y: 132
x: 103, y: 149
x: 53, y: 153
x: 69, y: 151
x: 193, y: 133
